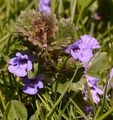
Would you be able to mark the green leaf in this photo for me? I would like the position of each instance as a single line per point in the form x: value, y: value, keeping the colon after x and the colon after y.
x: 60, y: 87
x: 77, y: 86
x: 16, y: 111
x: 98, y: 64
x: 33, y: 72
x: 35, y: 116
x: 1, y: 114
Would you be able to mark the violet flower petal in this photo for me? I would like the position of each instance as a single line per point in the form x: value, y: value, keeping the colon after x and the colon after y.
x: 90, y: 41
x: 29, y: 65
x: 46, y: 2
x: 30, y: 90
x: 95, y: 96
x: 18, y: 54
x: 89, y: 108
x: 71, y: 47
x: 83, y: 55
x: 19, y: 72
x: 13, y: 61
x: 40, y: 84
x: 44, y: 8
x: 111, y: 73
x: 91, y: 79
x: 100, y: 92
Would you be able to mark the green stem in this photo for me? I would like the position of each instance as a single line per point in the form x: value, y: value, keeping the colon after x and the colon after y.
x: 73, y: 8
x: 97, y: 113
x: 65, y: 107
x: 105, y: 33
x: 106, y: 114
x: 4, y: 38
x: 2, y: 101
x: 56, y: 85
x: 79, y: 110
x: 53, y: 5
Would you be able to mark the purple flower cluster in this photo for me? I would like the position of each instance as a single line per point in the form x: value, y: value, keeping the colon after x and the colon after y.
x: 19, y: 66
x: 44, y: 6
x: 82, y: 49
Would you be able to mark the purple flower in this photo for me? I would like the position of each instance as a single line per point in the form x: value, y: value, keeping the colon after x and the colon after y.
x: 82, y: 49
x: 89, y: 108
x: 44, y: 5
x: 96, y: 16
x: 19, y: 65
x: 31, y: 86
x: 91, y: 80
x: 95, y: 91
